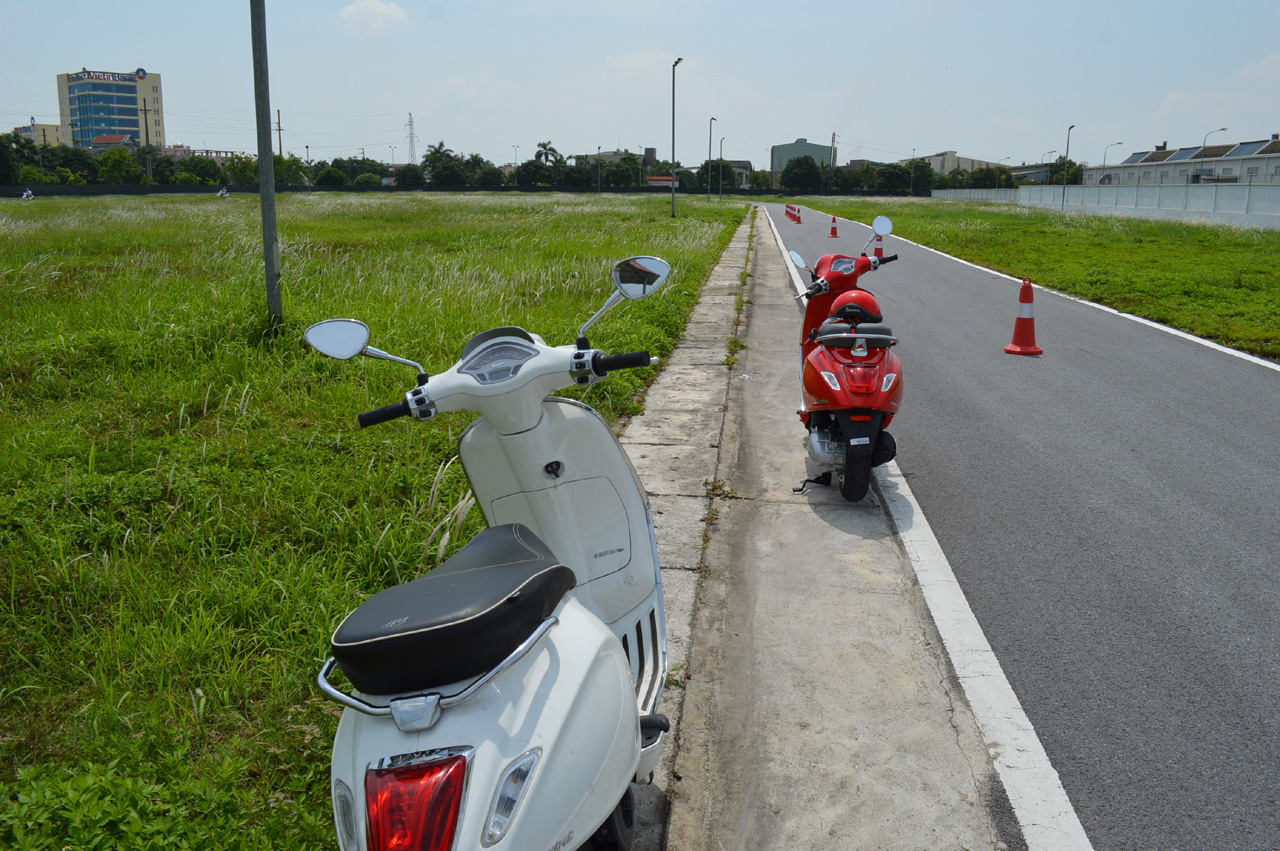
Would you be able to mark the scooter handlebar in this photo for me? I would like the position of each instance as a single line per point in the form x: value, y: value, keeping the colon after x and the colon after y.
x: 889, y: 259
x: 603, y: 364
x: 384, y: 414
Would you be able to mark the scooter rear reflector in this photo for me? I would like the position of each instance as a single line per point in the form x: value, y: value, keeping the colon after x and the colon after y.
x: 415, y: 807
x: 863, y: 378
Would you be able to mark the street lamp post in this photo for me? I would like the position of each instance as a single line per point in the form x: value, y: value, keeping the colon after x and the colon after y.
x: 1104, y: 153
x: 1044, y: 158
x: 673, y: 135
x: 598, y: 189
x: 721, y: 168
x: 710, y: 124
x: 913, y: 171
x: 1002, y: 159
x: 1066, y: 164
x: 1206, y: 142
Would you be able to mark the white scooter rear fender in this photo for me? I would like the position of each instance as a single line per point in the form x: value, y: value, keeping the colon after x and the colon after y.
x: 571, y: 699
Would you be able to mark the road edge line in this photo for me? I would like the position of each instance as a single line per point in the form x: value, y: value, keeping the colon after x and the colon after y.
x: 1044, y: 811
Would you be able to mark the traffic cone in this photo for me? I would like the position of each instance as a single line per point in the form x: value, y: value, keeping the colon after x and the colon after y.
x: 878, y: 251
x: 833, y: 228
x: 1024, y: 327
x: 790, y: 217
x: 798, y: 216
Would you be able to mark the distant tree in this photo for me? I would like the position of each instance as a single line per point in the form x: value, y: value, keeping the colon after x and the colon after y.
x: 449, y: 172
x: 981, y: 178
x: 894, y: 177
x: 435, y: 155
x: 79, y: 161
x: 205, y: 168
x: 802, y: 173
x: 760, y: 179
x: 367, y: 179
x: 330, y: 176
x: 116, y: 166
x: 32, y: 175
x: 410, y: 175
x: 242, y: 170
x: 581, y: 175
x: 289, y: 171
x: 187, y: 178
x: 546, y: 153
x: 920, y: 177
x: 1062, y: 165
x: 489, y: 177
x: 533, y: 173
x: 8, y: 162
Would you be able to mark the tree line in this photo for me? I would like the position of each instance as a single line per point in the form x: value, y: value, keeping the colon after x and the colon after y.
x: 22, y: 162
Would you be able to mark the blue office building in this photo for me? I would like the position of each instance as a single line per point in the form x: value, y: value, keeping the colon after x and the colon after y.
x: 109, y: 103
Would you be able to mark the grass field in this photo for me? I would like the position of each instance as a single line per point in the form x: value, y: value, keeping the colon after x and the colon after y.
x: 187, y: 506
x: 1217, y: 282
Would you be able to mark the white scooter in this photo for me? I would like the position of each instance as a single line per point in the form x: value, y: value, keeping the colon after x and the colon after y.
x: 508, y: 699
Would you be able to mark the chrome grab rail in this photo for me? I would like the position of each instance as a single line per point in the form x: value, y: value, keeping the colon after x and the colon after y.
x: 421, y: 711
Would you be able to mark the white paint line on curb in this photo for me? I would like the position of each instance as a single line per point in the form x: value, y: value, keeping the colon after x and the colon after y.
x: 1048, y: 820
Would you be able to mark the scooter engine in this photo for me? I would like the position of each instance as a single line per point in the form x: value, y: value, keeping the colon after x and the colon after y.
x: 825, y: 449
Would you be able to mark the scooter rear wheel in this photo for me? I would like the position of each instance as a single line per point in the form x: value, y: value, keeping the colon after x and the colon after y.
x: 618, y: 832
x: 856, y: 478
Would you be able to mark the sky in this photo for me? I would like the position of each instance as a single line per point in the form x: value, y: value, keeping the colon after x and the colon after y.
x: 989, y: 79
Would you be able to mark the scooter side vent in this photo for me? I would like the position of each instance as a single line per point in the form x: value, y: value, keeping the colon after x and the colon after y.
x: 646, y: 660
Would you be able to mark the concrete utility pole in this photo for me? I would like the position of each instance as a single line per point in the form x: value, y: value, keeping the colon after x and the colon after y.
x: 266, y: 163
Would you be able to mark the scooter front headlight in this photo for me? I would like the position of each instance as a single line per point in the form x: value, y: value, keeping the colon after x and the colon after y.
x: 509, y: 795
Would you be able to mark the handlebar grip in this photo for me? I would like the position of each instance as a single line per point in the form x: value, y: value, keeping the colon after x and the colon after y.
x: 384, y: 414
x: 889, y: 259
x: 604, y: 364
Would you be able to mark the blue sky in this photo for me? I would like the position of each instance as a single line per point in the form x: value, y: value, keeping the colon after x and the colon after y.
x: 990, y: 79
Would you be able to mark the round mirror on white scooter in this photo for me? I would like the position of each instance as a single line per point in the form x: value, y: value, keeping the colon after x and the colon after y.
x: 882, y: 225
x: 342, y: 339
x: 639, y: 277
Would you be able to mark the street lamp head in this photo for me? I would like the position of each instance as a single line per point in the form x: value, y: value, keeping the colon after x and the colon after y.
x: 677, y: 62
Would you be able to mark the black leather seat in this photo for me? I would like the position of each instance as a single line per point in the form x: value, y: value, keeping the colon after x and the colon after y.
x: 841, y: 334
x: 458, y: 621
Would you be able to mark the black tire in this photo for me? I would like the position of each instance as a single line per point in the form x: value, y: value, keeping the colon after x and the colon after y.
x: 856, y: 478
x: 618, y: 832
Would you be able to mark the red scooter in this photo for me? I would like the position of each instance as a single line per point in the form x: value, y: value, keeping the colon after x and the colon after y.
x: 851, y: 383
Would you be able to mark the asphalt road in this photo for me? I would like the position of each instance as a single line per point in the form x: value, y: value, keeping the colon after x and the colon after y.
x: 1110, y: 509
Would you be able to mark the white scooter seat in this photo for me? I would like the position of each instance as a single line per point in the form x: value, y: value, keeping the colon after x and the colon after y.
x: 458, y: 621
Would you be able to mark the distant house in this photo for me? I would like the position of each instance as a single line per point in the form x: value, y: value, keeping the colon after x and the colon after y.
x: 102, y: 143
x: 661, y: 182
x: 1256, y: 161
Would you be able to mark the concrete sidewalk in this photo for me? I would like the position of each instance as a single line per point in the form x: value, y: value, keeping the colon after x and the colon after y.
x: 811, y: 702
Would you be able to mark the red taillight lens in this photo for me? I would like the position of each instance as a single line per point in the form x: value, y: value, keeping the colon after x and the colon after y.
x: 415, y: 807
x: 862, y: 378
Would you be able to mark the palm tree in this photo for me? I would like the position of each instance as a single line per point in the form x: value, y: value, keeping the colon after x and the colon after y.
x: 436, y: 154
x: 546, y: 153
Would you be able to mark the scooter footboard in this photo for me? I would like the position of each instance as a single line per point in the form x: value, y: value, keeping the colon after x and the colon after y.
x: 570, y: 702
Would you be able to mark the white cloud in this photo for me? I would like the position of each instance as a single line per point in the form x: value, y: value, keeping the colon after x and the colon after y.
x: 369, y: 18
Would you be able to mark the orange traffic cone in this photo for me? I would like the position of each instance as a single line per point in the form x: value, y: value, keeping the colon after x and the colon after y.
x: 878, y: 251
x: 833, y: 227
x: 1024, y: 327
x: 790, y: 215
x: 798, y: 216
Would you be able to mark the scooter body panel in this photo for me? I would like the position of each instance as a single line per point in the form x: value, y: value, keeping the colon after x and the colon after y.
x: 571, y: 698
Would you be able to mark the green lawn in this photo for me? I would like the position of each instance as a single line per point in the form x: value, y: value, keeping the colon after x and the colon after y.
x: 188, y: 508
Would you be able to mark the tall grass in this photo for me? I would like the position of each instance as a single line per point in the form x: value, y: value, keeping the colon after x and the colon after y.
x: 186, y: 507
x: 1215, y: 281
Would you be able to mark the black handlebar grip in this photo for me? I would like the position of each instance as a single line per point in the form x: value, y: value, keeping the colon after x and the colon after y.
x: 604, y: 364
x: 384, y: 414
x: 889, y: 259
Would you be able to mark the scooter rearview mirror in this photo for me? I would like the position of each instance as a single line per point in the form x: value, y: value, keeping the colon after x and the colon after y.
x: 882, y: 225
x: 342, y: 339
x: 640, y: 277
x: 799, y: 261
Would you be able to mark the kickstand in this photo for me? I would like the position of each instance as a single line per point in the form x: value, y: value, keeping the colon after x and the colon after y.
x: 824, y: 480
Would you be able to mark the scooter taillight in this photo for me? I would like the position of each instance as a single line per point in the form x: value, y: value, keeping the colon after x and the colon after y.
x: 415, y: 807
x: 863, y: 378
